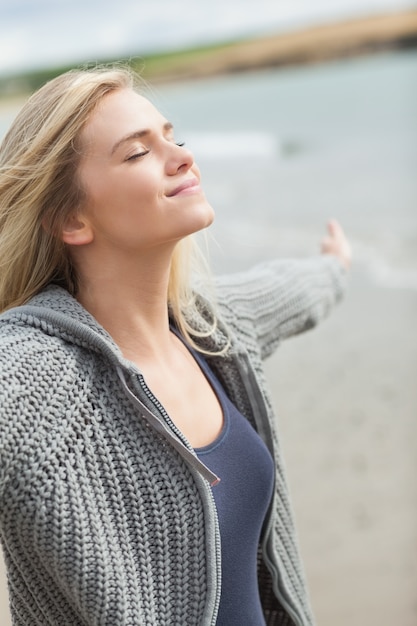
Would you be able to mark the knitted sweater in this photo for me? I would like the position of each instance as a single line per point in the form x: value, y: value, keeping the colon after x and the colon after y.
x: 106, y: 515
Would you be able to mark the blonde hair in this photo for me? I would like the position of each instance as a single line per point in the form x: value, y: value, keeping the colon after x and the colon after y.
x: 39, y: 187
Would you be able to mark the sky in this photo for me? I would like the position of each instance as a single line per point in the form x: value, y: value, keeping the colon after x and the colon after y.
x: 46, y: 33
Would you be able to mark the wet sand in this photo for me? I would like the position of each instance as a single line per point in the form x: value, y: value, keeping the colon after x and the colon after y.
x: 346, y: 397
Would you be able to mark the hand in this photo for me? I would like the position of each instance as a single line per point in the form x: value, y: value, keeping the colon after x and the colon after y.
x: 336, y: 243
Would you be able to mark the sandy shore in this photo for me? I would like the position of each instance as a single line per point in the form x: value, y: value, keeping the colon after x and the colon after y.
x: 347, y: 401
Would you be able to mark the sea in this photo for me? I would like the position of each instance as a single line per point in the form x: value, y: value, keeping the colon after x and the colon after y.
x: 281, y: 151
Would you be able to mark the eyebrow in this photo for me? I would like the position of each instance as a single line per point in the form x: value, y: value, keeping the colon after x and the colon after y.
x: 138, y: 134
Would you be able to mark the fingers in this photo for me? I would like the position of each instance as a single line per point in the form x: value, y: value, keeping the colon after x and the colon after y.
x: 336, y: 243
x: 334, y: 229
x: 326, y: 245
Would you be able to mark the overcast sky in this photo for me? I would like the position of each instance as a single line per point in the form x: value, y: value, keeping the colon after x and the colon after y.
x: 40, y: 33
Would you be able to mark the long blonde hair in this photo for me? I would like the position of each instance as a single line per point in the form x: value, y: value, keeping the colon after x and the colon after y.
x: 39, y: 186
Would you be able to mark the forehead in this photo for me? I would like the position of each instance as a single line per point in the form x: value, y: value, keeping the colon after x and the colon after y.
x: 117, y: 114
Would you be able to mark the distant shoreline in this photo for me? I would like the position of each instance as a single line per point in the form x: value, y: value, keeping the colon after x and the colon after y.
x: 299, y: 47
x: 310, y: 45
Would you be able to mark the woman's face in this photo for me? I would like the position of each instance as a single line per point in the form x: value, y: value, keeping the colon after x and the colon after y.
x: 143, y: 190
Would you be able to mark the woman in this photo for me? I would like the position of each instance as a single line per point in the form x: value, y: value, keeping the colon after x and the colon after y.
x: 141, y: 478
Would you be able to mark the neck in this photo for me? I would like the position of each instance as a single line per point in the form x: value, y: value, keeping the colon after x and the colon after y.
x: 130, y: 302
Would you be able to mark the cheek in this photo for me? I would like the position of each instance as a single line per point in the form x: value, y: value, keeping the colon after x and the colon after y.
x: 117, y: 196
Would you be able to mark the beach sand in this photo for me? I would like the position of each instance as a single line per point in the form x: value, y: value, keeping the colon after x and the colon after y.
x: 346, y: 398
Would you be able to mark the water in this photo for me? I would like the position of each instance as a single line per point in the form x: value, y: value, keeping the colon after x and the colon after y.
x: 281, y: 151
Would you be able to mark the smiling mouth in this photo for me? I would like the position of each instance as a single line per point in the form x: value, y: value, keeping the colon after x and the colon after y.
x: 188, y: 186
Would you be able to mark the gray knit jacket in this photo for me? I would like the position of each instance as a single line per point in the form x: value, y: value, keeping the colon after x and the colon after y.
x: 106, y: 515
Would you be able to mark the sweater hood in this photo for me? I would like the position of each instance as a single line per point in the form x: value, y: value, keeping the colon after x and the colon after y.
x: 55, y: 312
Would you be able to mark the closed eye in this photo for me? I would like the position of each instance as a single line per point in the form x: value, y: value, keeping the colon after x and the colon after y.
x: 137, y: 155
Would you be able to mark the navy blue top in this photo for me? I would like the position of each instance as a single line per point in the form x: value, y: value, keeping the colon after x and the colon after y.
x: 243, y: 462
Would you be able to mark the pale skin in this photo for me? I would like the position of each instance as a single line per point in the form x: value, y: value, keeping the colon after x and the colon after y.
x: 143, y: 196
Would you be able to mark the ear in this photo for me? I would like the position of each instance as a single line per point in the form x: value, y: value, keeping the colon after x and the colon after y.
x: 77, y: 231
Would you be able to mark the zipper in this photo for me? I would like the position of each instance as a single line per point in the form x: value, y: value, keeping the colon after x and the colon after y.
x: 257, y: 401
x: 169, y: 430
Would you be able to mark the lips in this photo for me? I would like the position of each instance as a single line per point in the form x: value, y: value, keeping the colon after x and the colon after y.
x: 187, y: 186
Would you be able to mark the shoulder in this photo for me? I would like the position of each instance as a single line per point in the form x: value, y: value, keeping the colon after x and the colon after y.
x: 24, y: 346
x: 34, y: 368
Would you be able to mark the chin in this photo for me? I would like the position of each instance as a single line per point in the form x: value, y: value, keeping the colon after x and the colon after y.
x: 210, y: 214
x: 204, y: 216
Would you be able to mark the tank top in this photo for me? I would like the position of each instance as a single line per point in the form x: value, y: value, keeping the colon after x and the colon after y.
x: 245, y: 466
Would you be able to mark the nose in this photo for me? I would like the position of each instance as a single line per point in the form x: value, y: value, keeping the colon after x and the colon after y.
x: 180, y: 158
